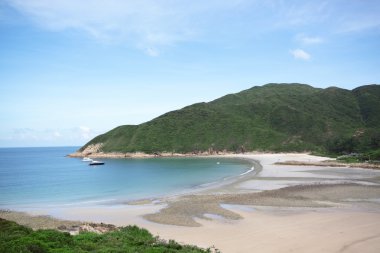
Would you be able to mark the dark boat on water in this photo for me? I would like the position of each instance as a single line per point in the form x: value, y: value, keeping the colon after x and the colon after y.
x: 96, y: 163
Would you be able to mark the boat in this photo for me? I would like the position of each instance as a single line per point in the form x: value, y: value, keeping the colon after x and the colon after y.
x: 86, y: 159
x: 96, y: 163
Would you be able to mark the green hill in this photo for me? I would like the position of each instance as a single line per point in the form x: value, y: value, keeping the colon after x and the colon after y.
x: 273, y: 117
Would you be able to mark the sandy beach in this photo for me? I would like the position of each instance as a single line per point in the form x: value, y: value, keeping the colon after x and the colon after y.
x: 274, y: 208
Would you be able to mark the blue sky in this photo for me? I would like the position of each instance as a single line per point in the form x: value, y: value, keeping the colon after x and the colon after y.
x: 71, y: 69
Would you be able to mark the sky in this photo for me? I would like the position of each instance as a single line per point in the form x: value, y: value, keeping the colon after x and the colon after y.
x: 73, y: 69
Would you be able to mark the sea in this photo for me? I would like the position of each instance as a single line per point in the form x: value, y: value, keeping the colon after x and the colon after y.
x: 46, y: 177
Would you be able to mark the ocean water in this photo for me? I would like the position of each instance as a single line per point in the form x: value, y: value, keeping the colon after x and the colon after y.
x: 38, y: 177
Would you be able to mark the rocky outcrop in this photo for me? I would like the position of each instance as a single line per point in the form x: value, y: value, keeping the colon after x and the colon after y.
x: 93, y: 148
x: 88, y: 227
x: 97, y: 228
x: 88, y: 151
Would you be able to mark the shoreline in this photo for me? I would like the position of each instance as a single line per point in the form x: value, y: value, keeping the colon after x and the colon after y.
x: 329, y: 162
x: 294, y: 197
x: 94, y: 151
x: 119, y: 155
x: 332, y: 163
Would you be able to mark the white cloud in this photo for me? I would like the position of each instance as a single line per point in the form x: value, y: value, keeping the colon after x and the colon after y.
x: 81, y: 134
x: 24, y: 134
x: 304, y: 39
x: 300, y: 13
x: 300, y: 54
x: 151, y: 52
x: 147, y: 24
x: 363, y: 16
x: 84, y: 129
x: 336, y: 16
x: 85, y: 132
x: 365, y: 24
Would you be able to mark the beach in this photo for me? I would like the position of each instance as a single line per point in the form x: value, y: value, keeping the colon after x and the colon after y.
x: 274, y: 208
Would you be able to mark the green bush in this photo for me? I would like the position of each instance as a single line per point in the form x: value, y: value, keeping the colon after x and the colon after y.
x: 15, y: 238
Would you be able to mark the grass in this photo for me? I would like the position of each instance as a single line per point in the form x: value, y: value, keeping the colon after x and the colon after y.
x: 15, y: 238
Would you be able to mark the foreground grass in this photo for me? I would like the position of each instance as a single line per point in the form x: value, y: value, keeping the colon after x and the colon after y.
x: 17, y: 238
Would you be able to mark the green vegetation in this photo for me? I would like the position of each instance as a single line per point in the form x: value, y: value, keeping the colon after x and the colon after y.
x: 273, y: 117
x: 20, y: 239
x: 373, y: 156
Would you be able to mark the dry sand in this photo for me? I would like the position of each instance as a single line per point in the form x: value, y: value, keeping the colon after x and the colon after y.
x: 277, y: 208
x: 285, y: 231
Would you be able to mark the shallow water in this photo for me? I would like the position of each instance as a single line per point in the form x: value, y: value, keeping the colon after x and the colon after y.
x: 37, y: 177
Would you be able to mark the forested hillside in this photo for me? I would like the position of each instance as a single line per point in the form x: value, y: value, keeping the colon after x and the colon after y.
x: 273, y: 117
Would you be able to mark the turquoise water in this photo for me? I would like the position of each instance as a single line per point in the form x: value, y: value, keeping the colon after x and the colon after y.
x: 35, y: 177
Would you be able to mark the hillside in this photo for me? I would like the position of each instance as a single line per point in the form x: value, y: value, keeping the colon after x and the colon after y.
x: 273, y: 117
